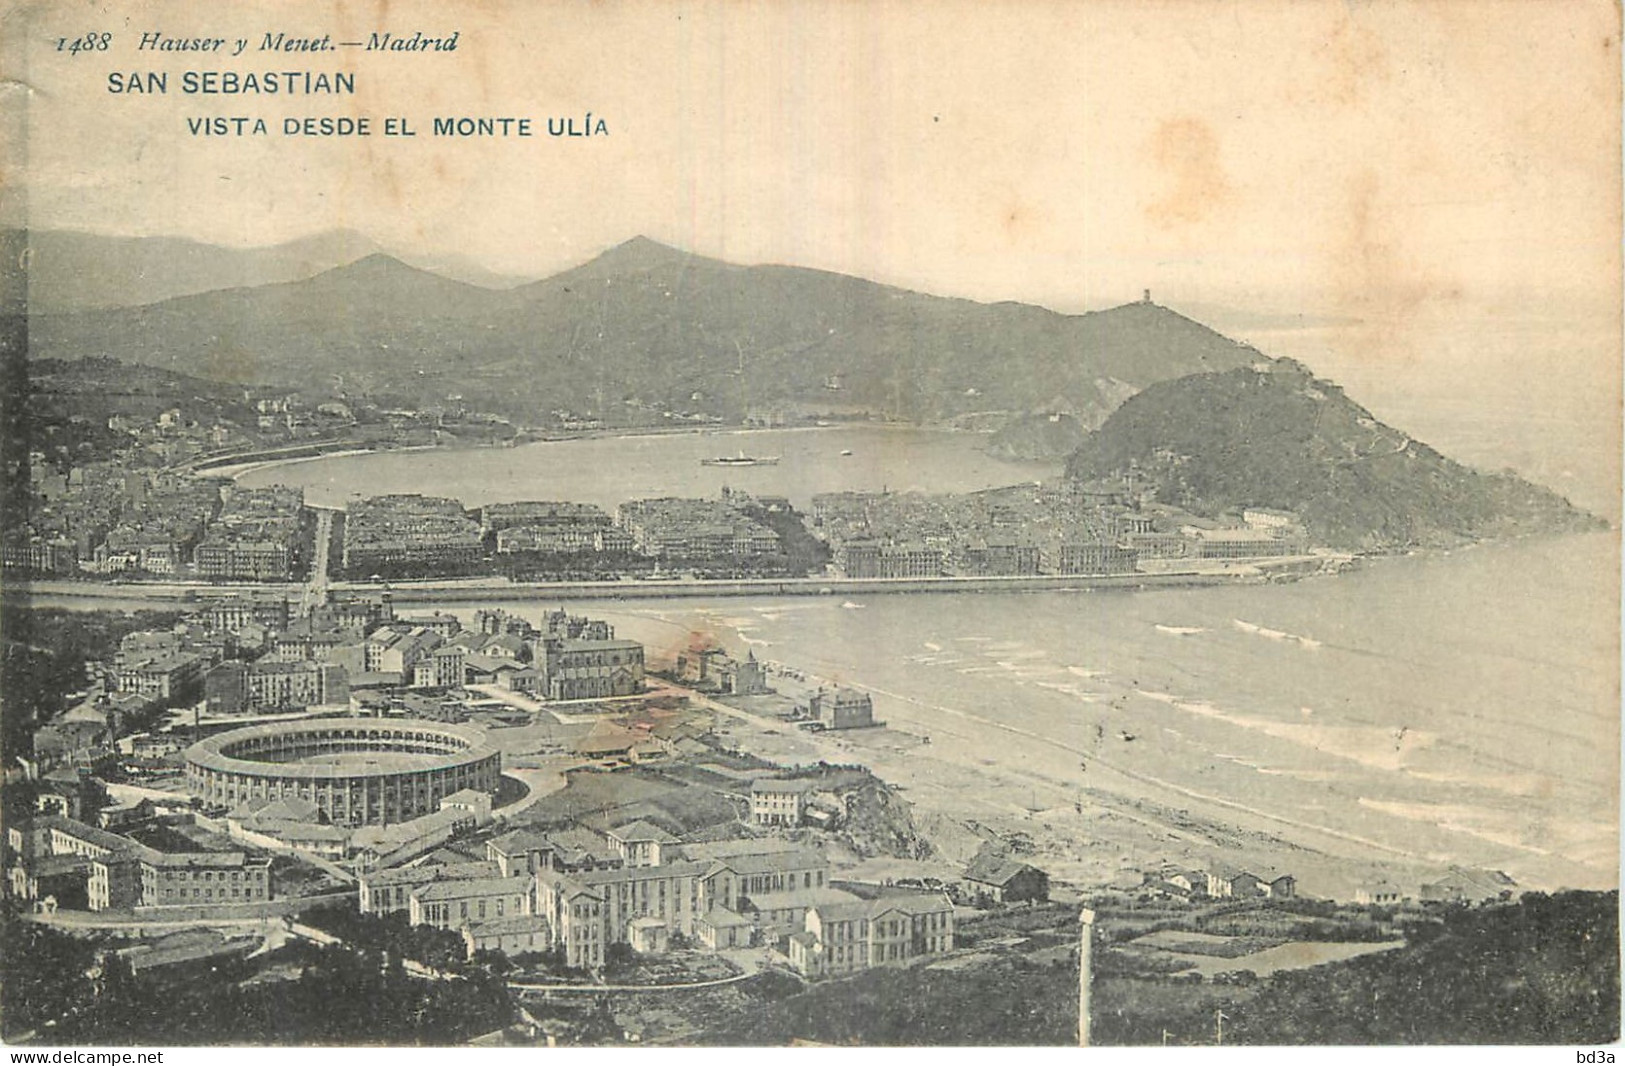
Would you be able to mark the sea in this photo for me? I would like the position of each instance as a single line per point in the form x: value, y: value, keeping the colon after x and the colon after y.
x: 611, y: 469
x: 1450, y: 707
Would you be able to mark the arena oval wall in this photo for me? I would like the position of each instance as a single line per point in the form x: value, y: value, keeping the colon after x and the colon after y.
x: 343, y: 766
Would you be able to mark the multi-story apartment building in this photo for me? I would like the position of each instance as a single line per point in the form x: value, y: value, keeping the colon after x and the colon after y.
x: 459, y: 902
x: 396, y: 649
x: 173, y: 675
x: 1091, y: 557
x: 389, y: 891
x: 203, y: 877
x: 123, y: 872
x: 872, y: 558
x: 225, y: 558
x: 393, y: 531
x: 541, y: 514
x: 844, y: 937
x: 998, y: 559
x: 692, y: 529
x: 283, y: 685
x: 593, y: 909
x: 575, y: 918
x: 49, y: 555
x: 226, y: 615
x: 776, y: 802
x: 444, y: 667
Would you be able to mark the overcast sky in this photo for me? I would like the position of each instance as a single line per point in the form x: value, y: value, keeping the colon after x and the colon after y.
x: 1416, y: 169
x: 1374, y: 154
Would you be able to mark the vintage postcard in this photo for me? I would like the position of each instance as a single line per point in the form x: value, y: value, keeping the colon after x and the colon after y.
x: 695, y: 523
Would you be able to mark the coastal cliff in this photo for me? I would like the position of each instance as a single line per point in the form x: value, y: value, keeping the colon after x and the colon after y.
x: 1274, y: 435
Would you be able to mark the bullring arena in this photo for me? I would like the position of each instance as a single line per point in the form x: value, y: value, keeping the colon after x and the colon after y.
x: 359, y: 772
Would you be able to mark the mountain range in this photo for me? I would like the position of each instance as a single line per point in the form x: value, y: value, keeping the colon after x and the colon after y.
x: 647, y: 328
x: 645, y: 332
x: 73, y: 271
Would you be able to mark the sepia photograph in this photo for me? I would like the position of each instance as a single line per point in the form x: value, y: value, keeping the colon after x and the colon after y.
x: 718, y: 524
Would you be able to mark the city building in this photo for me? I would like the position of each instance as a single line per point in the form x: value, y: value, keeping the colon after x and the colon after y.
x: 845, y: 937
x: 1462, y: 885
x: 575, y: 850
x: 998, y: 559
x: 594, y: 909
x: 695, y: 530
x: 1236, y: 543
x: 282, y: 686
x: 170, y: 677
x: 517, y: 934
x: 640, y: 843
x: 407, y: 531
x: 1226, y: 881
x: 203, y: 877
x: 778, y: 802
x: 575, y: 919
x: 1275, y: 522
x: 1004, y: 880
x: 122, y: 872
x: 575, y: 669
x: 373, y: 846
x: 1089, y: 557
x: 877, y: 559
x: 746, y: 873
x: 456, y: 903
x: 714, y: 669
x: 720, y: 929
x: 388, y: 891
x: 232, y: 613
x: 778, y: 914
x: 842, y: 708
x: 1380, y: 892
x: 343, y: 766
x: 472, y: 801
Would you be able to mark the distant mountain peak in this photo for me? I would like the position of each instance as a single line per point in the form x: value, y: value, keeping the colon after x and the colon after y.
x: 640, y: 243
x: 639, y: 253
x: 380, y: 267
x: 376, y: 261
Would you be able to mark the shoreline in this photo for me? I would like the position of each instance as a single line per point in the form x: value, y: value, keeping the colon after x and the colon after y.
x: 498, y: 589
x: 234, y: 467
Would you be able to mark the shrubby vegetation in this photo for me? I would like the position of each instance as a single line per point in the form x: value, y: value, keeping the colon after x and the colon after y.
x: 1009, y: 1002
x: 1544, y: 970
x: 60, y: 989
x: 45, y: 651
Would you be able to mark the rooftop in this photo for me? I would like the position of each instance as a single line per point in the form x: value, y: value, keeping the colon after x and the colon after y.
x: 861, y: 909
x: 994, y: 869
x: 641, y: 831
x: 513, y: 923
x: 642, y: 873
x: 765, y: 785
x: 426, y: 874
x: 800, y: 898
x: 798, y: 858
x: 519, y: 841
x: 467, y: 888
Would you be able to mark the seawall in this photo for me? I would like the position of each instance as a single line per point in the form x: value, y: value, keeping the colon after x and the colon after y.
x: 137, y: 593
